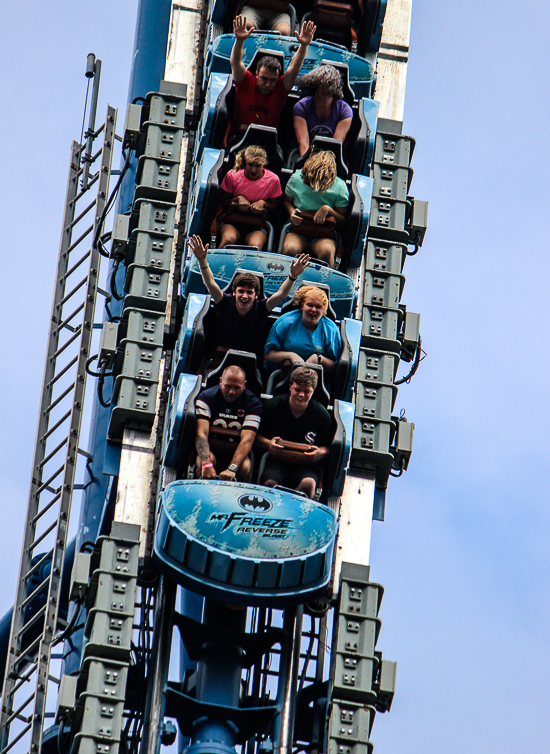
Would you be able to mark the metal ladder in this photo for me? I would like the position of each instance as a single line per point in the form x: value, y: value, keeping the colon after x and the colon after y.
x: 57, y: 443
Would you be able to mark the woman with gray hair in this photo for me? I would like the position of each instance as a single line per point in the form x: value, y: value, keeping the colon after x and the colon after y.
x: 322, y: 112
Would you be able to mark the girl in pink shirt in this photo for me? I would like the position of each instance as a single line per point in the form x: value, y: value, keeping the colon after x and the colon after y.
x: 248, y: 192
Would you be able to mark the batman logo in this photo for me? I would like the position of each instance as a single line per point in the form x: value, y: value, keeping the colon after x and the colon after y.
x: 275, y: 267
x: 255, y: 503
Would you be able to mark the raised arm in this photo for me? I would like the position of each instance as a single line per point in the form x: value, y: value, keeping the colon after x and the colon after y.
x: 241, y: 33
x: 297, y: 266
x: 291, y: 73
x: 200, y: 251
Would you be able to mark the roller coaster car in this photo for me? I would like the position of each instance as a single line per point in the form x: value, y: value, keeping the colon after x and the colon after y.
x: 345, y: 373
x: 333, y: 21
x: 352, y: 25
x: 274, y: 268
x: 361, y: 72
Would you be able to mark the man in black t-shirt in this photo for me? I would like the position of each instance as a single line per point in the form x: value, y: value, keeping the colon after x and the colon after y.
x: 241, y: 316
x: 297, y: 418
x: 228, y: 417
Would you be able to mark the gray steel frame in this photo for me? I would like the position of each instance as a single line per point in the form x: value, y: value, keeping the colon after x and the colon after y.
x: 57, y: 446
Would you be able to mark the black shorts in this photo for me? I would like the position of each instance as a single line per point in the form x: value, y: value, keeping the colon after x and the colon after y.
x: 288, y: 475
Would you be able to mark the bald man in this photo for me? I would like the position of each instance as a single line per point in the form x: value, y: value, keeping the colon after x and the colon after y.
x: 228, y: 417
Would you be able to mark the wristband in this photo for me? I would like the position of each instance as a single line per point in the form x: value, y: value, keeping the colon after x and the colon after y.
x: 204, y: 268
x: 207, y: 465
x: 233, y: 468
x: 319, y: 359
x: 291, y: 278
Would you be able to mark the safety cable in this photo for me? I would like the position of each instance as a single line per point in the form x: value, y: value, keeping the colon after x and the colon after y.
x: 109, y: 203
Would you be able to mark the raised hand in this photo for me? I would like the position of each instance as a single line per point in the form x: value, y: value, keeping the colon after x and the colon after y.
x: 298, y: 265
x: 239, y: 28
x: 308, y: 30
x: 197, y: 247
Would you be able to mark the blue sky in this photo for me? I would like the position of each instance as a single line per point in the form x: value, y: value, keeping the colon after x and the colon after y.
x: 463, y: 553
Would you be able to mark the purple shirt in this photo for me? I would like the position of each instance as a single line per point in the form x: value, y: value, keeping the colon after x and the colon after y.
x: 305, y: 109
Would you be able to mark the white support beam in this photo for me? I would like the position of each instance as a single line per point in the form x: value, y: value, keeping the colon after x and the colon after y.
x: 354, y: 534
x: 393, y: 57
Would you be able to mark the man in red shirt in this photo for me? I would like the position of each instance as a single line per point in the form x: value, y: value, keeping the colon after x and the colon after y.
x: 260, y: 98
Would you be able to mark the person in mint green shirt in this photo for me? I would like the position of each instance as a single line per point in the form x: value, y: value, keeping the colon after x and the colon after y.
x: 317, y: 200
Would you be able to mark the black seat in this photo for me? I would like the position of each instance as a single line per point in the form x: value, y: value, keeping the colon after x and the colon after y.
x: 262, y: 52
x: 278, y: 385
x: 247, y: 362
x: 260, y: 136
x: 324, y: 144
x: 240, y: 271
x: 289, y: 306
x: 357, y: 143
x: 343, y: 70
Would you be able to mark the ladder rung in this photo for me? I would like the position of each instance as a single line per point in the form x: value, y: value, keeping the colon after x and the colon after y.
x: 64, y: 370
x: 24, y: 679
x: 46, y: 484
x: 71, y: 293
x: 84, y: 191
x: 79, y: 239
x: 64, y: 323
x: 66, y: 344
x: 58, y: 423
x: 33, y: 620
x: 51, y: 455
x: 38, y: 564
x: 46, y: 508
x: 29, y: 650
x: 81, y: 215
x: 43, y: 585
x: 64, y: 394
x: 18, y: 711
x: 16, y: 739
x: 43, y: 536
x: 75, y: 266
